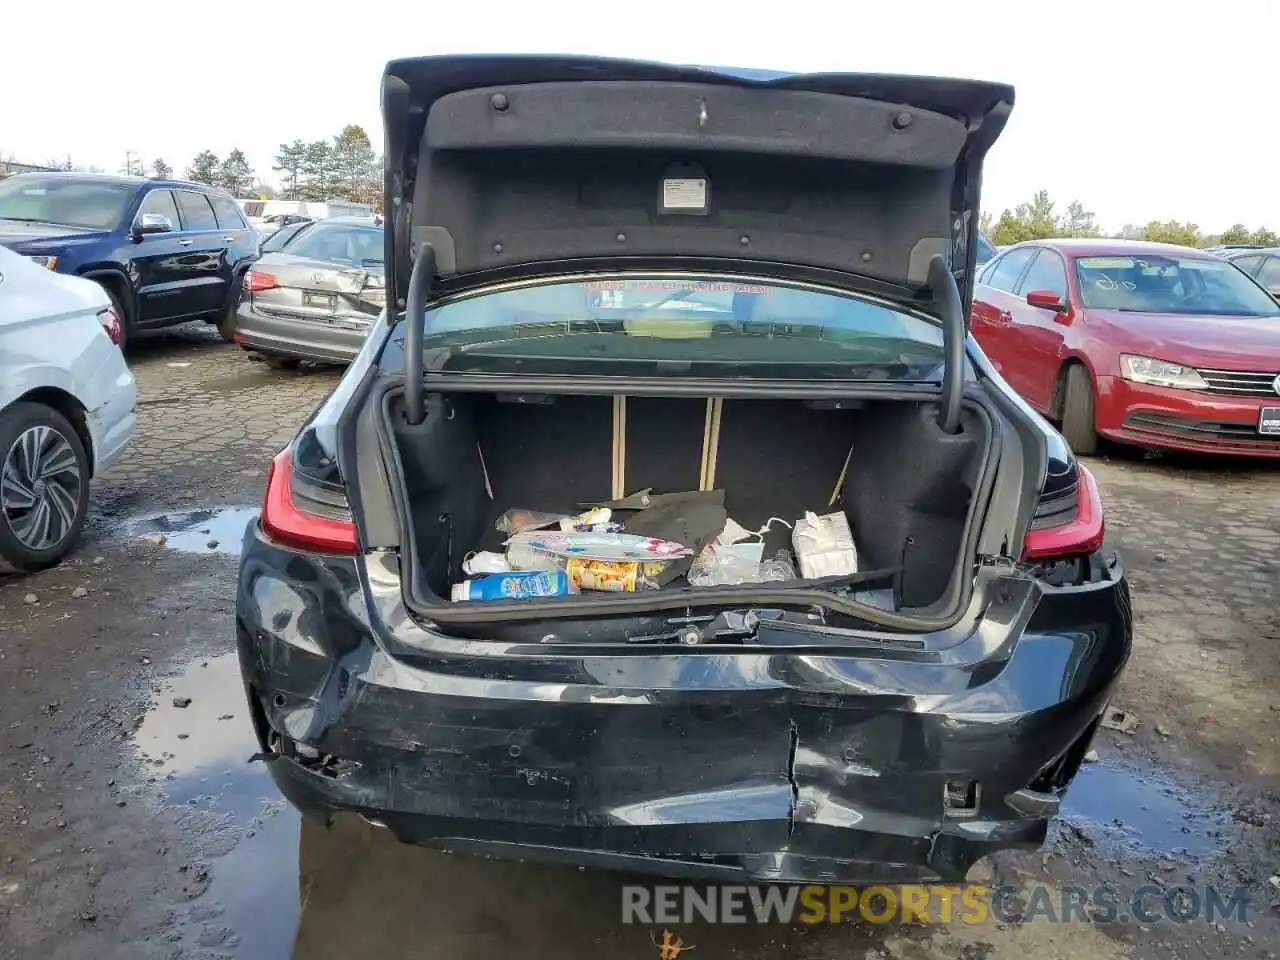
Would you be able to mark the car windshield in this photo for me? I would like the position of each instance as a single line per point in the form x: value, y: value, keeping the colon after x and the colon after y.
x: 1163, y: 284
x: 693, y: 325
x: 74, y: 203
x: 338, y: 243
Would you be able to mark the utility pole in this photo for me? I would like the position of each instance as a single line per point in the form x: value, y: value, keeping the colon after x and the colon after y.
x: 131, y: 159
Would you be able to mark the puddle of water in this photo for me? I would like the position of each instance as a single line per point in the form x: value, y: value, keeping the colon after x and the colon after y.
x: 255, y: 889
x: 217, y: 530
x: 1143, y: 810
x: 199, y: 755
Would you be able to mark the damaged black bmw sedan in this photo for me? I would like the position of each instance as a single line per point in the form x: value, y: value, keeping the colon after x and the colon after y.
x: 718, y: 311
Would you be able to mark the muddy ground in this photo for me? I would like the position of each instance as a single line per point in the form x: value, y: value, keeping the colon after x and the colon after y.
x: 134, y: 828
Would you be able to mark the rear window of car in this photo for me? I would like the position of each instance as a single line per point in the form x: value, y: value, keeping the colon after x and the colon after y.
x: 196, y: 212
x: 694, y: 324
x: 1170, y: 284
x: 285, y: 235
x: 228, y: 213
x: 338, y: 243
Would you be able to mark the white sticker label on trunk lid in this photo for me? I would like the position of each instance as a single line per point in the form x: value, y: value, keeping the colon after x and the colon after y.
x: 684, y: 195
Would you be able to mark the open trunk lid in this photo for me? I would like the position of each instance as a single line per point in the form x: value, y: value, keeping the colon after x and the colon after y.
x: 501, y: 170
x: 510, y: 166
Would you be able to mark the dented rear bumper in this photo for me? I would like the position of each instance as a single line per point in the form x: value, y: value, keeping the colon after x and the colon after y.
x: 766, y: 764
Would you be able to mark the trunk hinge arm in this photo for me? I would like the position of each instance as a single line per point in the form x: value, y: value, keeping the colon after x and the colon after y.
x: 420, y: 281
x: 942, y: 282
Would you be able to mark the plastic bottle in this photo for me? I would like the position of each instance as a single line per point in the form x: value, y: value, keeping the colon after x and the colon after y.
x: 524, y: 557
x: 515, y: 586
x: 778, y: 567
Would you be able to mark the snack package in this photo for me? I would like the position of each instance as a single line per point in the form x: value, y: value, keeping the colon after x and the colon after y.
x: 596, y: 520
x: 613, y: 577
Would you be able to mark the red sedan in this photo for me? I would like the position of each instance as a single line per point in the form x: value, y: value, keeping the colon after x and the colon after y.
x: 1144, y: 343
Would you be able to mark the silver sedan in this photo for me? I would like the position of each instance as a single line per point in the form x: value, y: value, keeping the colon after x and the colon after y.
x: 313, y: 293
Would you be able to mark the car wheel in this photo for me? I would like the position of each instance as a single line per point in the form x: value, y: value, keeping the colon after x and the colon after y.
x: 44, y: 486
x: 1077, y: 411
x: 226, y: 321
x: 226, y: 326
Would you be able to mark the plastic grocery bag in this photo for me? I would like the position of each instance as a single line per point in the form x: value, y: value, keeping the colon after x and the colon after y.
x: 720, y: 564
x: 485, y: 561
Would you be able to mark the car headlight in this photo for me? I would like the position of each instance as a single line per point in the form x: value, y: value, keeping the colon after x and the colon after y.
x: 50, y: 262
x: 1160, y: 373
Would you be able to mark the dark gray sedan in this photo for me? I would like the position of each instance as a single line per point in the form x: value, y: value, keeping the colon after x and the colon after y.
x: 314, y: 292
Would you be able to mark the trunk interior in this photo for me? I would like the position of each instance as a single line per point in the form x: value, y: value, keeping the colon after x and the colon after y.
x: 906, y: 490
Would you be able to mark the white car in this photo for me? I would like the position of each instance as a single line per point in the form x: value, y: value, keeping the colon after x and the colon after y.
x: 67, y: 407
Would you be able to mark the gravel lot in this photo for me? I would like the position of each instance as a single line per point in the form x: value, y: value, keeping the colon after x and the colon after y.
x: 134, y: 828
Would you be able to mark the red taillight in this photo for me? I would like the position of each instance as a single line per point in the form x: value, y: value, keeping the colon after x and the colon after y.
x: 1079, y: 536
x: 255, y: 281
x: 110, y: 321
x: 283, y: 522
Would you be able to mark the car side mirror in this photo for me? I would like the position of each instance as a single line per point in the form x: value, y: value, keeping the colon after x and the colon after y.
x: 150, y: 223
x: 1047, y: 300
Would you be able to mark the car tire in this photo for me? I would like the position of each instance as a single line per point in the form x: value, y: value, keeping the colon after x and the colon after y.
x: 1077, y: 411
x: 29, y: 543
x: 226, y: 326
x: 226, y: 321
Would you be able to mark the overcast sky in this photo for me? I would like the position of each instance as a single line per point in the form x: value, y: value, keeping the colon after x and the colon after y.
x: 1141, y: 110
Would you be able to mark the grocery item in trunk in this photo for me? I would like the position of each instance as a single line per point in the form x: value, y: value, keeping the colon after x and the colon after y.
x: 524, y: 557
x: 596, y: 520
x: 691, y: 518
x: 613, y: 577
x: 518, y: 521
x: 515, y: 586
x: 485, y: 561
x: 779, y: 567
x: 721, y: 564
x: 824, y: 546
x: 600, y: 546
